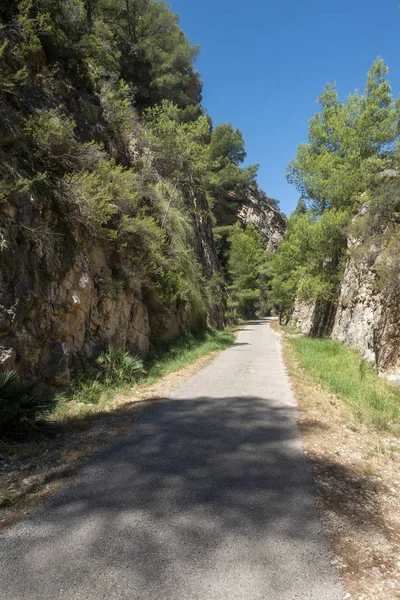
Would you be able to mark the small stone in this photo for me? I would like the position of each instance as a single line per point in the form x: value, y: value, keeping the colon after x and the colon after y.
x: 324, y: 484
x: 394, y: 584
x: 26, y: 466
x: 33, y: 480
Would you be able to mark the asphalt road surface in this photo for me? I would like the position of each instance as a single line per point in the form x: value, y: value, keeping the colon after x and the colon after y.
x: 211, y: 498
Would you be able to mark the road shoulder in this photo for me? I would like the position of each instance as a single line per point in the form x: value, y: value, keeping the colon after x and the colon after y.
x: 357, y: 476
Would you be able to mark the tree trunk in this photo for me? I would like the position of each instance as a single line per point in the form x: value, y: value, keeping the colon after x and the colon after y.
x: 89, y: 17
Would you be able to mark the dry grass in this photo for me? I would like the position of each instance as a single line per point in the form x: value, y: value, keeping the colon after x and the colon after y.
x: 357, y: 473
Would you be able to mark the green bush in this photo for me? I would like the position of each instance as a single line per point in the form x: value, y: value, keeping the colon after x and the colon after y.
x: 118, y: 366
x: 88, y: 391
x: 23, y: 409
x: 52, y: 132
x: 114, y: 368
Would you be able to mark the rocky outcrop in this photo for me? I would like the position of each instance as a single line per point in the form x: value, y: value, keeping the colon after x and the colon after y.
x: 358, y: 310
x: 64, y: 297
x: 368, y: 315
x: 302, y: 317
x: 259, y: 210
x: 61, y: 299
x: 314, y: 318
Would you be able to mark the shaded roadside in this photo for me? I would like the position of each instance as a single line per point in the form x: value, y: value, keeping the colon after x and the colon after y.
x: 34, y: 471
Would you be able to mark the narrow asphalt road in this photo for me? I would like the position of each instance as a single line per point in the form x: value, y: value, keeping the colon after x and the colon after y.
x: 211, y: 498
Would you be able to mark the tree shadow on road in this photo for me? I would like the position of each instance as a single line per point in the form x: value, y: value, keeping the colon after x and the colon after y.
x: 195, y: 477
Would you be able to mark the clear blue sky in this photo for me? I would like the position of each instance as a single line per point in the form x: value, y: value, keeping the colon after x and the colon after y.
x: 264, y: 62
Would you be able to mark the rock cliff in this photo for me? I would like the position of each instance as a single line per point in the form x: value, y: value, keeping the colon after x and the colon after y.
x: 366, y: 315
x: 263, y: 214
x: 64, y: 297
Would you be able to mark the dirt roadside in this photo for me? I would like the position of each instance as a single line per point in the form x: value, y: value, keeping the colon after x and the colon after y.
x: 357, y: 476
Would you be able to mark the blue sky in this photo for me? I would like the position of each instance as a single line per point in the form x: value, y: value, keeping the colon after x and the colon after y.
x: 263, y: 64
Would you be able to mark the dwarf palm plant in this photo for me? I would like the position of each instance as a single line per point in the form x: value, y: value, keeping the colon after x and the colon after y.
x: 118, y: 366
x: 23, y: 409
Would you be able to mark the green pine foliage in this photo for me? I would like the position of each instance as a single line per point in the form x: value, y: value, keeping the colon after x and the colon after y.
x: 248, y: 274
x: 350, y: 144
x: 229, y: 182
x: 155, y: 58
x: 101, y: 117
x: 347, y: 175
x: 310, y: 260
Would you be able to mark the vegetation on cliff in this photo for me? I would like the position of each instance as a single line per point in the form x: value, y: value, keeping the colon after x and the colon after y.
x: 349, y: 166
x: 102, y: 125
x: 104, y: 144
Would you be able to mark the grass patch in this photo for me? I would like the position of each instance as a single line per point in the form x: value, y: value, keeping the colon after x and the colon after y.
x: 289, y: 329
x: 117, y: 372
x: 95, y: 392
x: 186, y: 350
x: 373, y: 400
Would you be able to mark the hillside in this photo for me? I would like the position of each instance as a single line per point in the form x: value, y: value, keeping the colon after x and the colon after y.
x: 109, y: 168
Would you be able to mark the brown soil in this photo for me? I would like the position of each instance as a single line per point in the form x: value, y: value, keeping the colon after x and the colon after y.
x: 357, y: 476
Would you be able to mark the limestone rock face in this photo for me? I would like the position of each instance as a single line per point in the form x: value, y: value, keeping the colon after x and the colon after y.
x: 368, y: 316
x: 358, y: 310
x: 64, y: 297
x: 267, y: 219
x: 60, y: 300
x: 303, y: 316
x: 315, y: 317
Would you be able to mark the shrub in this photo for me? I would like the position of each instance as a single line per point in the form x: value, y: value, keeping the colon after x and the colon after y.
x: 117, y: 107
x: 114, y: 368
x: 23, y: 409
x: 51, y: 130
x: 89, y: 392
x: 118, y: 366
x: 52, y: 134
